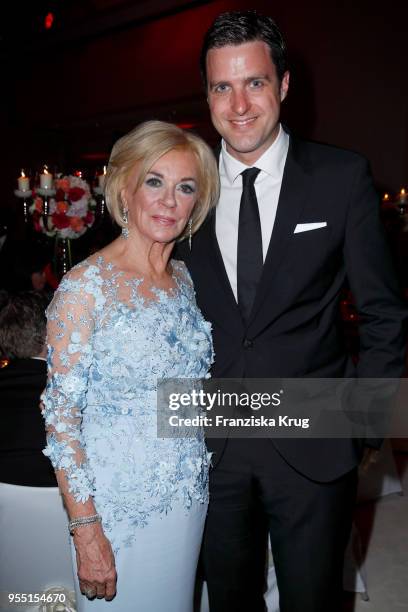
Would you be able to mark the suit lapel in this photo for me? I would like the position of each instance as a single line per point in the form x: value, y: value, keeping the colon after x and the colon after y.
x: 293, y: 194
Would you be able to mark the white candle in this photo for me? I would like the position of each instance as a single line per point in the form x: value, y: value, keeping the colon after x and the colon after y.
x: 23, y: 182
x: 402, y: 197
x: 101, y: 178
x: 46, y: 179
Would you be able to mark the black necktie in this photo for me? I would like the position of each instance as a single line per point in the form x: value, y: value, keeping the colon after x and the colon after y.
x: 249, y: 254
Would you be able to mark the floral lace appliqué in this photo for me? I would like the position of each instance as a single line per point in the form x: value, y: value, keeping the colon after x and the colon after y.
x: 108, y: 346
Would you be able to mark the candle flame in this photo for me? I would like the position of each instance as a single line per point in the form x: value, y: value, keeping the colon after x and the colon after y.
x: 386, y: 196
x: 22, y: 173
x: 402, y: 192
x: 104, y: 169
x: 45, y: 170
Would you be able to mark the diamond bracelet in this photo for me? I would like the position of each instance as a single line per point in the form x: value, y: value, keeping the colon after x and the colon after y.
x: 83, y: 520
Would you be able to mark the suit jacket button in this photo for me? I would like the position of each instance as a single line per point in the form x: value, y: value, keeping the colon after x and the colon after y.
x: 247, y: 343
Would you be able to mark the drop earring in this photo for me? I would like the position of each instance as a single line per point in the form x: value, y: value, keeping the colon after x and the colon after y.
x: 190, y: 232
x: 125, y: 220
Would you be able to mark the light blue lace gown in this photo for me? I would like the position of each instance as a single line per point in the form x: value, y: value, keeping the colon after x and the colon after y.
x: 110, y: 338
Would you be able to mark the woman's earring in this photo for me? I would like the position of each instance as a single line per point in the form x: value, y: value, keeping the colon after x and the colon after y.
x: 190, y: 232
x: 125, y: 219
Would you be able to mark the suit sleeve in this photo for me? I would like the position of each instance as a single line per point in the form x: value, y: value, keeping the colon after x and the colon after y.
x: 382, y: 312
x: 383, y: 315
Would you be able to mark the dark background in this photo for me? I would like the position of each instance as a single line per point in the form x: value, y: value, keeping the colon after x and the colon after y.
x: 70, y: 91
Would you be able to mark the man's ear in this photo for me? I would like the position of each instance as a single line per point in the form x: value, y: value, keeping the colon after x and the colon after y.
x: 284, y: 85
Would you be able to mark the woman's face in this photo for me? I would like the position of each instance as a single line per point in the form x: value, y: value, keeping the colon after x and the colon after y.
x: 161, y: 207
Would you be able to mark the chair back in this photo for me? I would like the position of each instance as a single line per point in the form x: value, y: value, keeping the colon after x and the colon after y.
x: 35, y: 551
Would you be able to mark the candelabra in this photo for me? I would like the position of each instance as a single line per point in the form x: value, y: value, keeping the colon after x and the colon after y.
x: 24, y: 195
x: 98, y: 191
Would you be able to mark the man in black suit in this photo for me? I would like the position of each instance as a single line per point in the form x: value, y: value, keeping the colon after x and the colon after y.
x: 294, y: 221
x: 22, y: 380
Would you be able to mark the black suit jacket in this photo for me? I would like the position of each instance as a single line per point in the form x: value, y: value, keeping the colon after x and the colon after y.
x: 294, y: 329
x: 22, y: 436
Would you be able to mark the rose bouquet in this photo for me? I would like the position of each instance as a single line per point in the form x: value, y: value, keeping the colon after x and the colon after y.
x: 71, y: 209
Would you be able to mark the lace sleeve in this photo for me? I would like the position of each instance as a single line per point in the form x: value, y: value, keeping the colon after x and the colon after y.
x: 70, y: 326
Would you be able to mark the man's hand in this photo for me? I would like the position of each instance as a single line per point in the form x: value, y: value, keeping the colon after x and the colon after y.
x: 369, y: 458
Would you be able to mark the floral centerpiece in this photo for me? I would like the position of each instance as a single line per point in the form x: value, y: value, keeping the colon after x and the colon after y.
x: 65, y: 213
x: 70, y: 210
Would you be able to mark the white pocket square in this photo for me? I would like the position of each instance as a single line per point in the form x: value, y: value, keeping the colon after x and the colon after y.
x: 307, y: 227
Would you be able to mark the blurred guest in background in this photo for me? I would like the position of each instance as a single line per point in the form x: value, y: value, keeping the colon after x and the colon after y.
x: 22, y: 379
x: 26, y: 266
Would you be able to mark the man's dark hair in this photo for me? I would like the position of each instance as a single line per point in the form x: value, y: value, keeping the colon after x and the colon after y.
x: 238, y: 27
x: 22, y: 324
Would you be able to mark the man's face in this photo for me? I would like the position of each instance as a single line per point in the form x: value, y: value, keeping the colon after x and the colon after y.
x: 244, y: 95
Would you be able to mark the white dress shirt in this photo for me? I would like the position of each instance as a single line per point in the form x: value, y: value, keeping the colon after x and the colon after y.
x: 267, y: 187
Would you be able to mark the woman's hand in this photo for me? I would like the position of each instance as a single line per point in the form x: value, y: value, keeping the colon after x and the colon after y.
x: 96, y: 563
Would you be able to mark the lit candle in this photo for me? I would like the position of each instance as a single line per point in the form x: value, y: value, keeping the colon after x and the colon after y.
x: 46, y: 179
x: 386, y: 198
x: 23, y: 182
x: 101, y: 178
x: 402, y: 197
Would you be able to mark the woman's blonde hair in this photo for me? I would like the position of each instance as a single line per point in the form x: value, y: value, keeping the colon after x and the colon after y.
x: 146, y: 143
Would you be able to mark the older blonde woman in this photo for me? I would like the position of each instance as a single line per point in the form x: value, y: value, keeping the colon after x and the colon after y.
x: 120, y: 320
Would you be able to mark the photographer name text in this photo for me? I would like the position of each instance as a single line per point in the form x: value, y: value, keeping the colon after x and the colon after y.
x: 251, y: 421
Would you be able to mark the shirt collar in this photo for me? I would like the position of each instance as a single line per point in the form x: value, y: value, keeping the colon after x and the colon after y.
x: 272, y: 161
